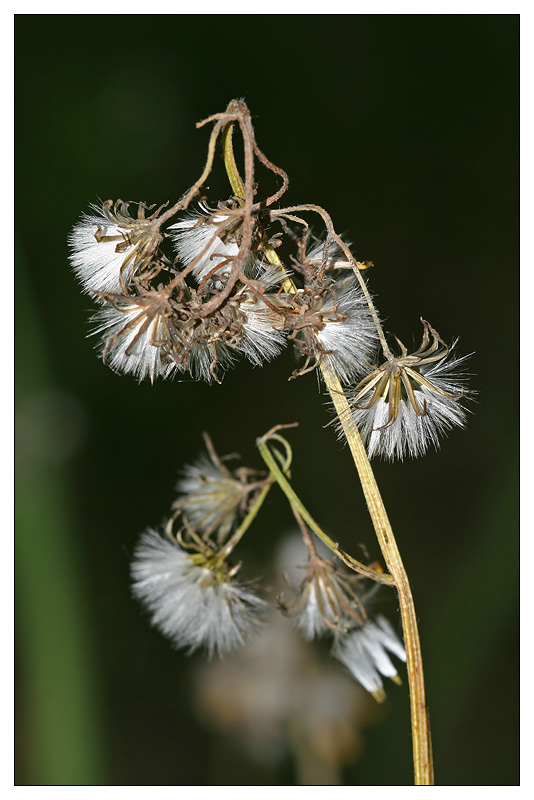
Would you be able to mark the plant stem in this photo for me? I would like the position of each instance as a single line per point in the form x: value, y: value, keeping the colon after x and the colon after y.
x: 247, y: 522
x: 422, y: 747
x: 236, y: 182
x: 296, y: 503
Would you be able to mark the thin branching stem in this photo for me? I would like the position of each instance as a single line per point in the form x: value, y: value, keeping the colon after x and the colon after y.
x: 334, y: 237
x: 296, y: 503
x: 247, y: 522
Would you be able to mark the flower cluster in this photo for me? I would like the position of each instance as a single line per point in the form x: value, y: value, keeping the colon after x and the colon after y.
x: 226, y: 294
x: 154, y: 322
x: 184, y: 579
x: 188, y: 290
x: 330, y: 600
x: 192, y: 593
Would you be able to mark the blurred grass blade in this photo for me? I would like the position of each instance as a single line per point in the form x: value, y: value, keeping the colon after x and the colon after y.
x: 58, y: 735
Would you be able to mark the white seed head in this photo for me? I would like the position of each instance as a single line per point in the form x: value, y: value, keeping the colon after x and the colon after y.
x: 409, y: 402
x: 325, y: 601
x: 97, y: 264
x: 133, y: 334
x: 108, y: 246
x: 207, y: 240
x: 365, y: 654
x: 321, y: 596
x: 263, y: 338
x: 211, y: 497
x: 349, y: 335
x: 191, y: 604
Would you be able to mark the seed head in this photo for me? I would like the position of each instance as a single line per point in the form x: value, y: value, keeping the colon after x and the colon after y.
x: 364, y: 651
x: 138, y: 335
x: 209, y: 240
x: 213, y: 496
x: 326, y: 600
x: 410, y: 400
x: 333, y: 321
x: 192, y: 595
x: 110, y: 246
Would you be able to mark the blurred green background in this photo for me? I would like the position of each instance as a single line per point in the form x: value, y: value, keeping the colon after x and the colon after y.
x: 406, y: 129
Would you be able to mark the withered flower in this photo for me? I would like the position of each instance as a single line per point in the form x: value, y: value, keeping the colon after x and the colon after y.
x: 326, y: 600
x: 139, y: 335
x: 208, y: 240
x: 212, y: 496
x: 333, y: 321
x: 109, y: 246
x: 410, y: 400
x: 192, y: 595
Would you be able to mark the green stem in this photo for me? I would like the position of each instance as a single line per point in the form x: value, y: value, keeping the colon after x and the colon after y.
x: 247, y: 522
x: 236, y: 182
x: 296, y: 503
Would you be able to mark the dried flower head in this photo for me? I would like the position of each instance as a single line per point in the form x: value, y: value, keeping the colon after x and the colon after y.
x: 139, y: 335
x: 410, y: 400
x: 156, y: 333
x: 326, y: 600
x: 213, y: 496
x: 192, y: 594
x: 208, y: 242
x: 334, y: 322
x: 263, y: 312
x: 364, y: 652
x: 110, y: 246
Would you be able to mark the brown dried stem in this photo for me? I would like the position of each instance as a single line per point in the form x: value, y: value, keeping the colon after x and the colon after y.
x: 422, y: 747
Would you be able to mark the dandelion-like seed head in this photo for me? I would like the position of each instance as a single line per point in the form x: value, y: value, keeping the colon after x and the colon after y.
x: 208, y: 241
x: 364, y: 652
x: 263, y: 313
x: 213, y: 496
x: 157, y: 333
x: 191, y: 593
x: 409, y: 400
x: 333, y: 321
x: 110, y: 246
x: 139, y: 335
x: 327, y: 599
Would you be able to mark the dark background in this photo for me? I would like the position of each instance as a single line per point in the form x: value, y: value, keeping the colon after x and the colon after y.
x: 406, y: 129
